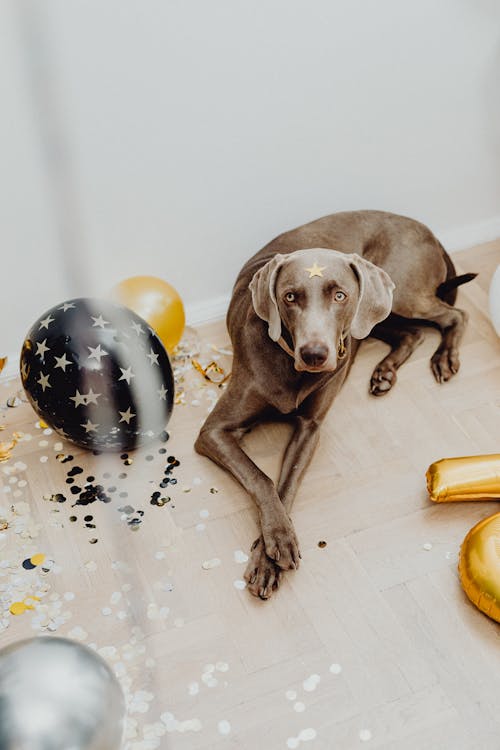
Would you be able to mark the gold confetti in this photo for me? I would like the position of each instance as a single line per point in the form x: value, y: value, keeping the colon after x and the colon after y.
x: 37, y: 559
x: 18, y: 608
x: 213, y: 372
x: 6, y: 447
x: 29, y: 602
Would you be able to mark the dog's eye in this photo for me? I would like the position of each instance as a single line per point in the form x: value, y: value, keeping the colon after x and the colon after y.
x: 340, y: 296
x: 290, y: 297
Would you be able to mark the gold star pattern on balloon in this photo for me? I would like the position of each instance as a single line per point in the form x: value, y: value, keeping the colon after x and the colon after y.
x: 315, y: 270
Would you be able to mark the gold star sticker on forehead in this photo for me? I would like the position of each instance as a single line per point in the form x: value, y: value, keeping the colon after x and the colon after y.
x: 315, y: 270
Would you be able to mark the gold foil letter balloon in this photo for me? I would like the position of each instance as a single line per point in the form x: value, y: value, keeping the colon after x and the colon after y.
x: 466, y: 478
x: 157, y: 302
x: 479, y: 566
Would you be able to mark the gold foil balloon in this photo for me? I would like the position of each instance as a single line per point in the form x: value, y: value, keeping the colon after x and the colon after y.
x: 467, y: 478
x: 479, y: 566
x: 157, y: 302
x: 57, y: 694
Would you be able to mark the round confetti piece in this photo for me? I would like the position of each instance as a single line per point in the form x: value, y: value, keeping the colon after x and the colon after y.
x: 28, y: 565
x: 427, y: 546
x: 44, y: 459
x: 322, y: 543
x: 224, y: 726
x: 213, y: 563
x: 335, y: 668
x: 307, y: 734
x: 299, y: 707
x: 240, y: 556
x: 239, y: 584
x: 38, y: 559
x: 311, y: 683
x: 18, y: 608
x: 292, y: 743
x: 290, y: 695
x: 365, y: 735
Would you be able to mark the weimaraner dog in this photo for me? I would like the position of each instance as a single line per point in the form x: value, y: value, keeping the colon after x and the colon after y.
x: 299, y: 308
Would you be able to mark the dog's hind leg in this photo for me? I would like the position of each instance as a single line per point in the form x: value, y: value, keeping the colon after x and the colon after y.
x: 451, y: 321
x: 403, y: 338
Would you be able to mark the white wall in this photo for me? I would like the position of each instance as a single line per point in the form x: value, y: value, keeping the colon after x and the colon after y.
x: 193, y: 131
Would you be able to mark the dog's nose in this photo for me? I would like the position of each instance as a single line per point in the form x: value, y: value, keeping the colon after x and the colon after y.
x: 314, y: 355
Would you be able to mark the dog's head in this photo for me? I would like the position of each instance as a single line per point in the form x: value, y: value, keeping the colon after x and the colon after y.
x: 320, y: 296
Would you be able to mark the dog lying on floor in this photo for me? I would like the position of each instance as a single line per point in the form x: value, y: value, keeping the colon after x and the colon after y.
x: 299, y: 309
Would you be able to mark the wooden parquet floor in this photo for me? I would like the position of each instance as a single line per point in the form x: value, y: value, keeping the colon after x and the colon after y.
x: 371, y: 643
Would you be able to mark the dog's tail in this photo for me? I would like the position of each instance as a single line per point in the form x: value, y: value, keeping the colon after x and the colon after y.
x: 452, y: 283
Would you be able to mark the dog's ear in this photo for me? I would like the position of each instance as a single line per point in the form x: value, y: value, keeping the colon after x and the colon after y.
x: 375, y: 295
x: 263, y: 288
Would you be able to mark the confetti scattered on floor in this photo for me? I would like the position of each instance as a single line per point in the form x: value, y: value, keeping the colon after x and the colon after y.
x: 311, y: 683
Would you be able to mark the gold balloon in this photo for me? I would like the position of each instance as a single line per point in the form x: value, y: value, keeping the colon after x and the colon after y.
x: 479, y: 566
x: 157, y: 302
x: 466, y: 478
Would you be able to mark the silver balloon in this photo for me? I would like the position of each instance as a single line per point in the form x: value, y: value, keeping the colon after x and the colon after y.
x: 56, y: 694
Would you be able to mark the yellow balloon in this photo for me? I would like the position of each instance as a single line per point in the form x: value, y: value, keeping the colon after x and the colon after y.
x: 479, y: 566
x: 465, y: 478
x: 157, y: 302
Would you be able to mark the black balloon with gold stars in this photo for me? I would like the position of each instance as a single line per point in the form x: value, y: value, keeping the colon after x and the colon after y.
x: 97, y: 374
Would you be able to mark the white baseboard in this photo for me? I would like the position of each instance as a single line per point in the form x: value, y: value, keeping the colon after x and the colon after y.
x: 208, y: 310
x: 469, y: 235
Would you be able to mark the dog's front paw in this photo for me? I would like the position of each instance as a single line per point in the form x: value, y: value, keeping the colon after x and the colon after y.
x: 262, y: 574
x: 444, y: 364
x: 383, y: 378
x: 281, y: 542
